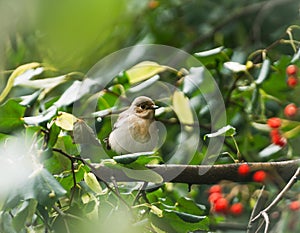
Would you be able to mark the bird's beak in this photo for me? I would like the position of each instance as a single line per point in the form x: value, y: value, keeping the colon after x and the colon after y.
x: 155, y: 107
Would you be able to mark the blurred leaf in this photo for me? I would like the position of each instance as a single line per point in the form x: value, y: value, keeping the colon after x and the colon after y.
x: 11, y: 114
x: 41, y: 186
x: 269, y: 150
x: 27, y: 75
x: 45, y: 116
x: 264, y: 71
x: 227, y: 130
x: 143, y: 71
x: 20, y: 70
x: 25, y: 214
x: 91, y: 180
x: 182, y: 108
x: 187, y: 205
x: 211, y: 52
x: 262, y: 127
x: 65, y: 121
x: 30, y: 99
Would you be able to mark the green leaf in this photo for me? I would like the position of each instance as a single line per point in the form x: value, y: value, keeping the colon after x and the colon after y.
x: 142, y: 86
x: 263, y: 72
x: 11, y: 114
x: 143, y: 71
x: 129, y: 158
x: 53, y: 135
x: 227, y: 130
x: 187, y: 205
x: 182, y: 108
x: 91, y: 180
x: 24, y: 215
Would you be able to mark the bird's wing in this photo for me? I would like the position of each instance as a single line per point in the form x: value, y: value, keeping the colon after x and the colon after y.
x: 121, y: 119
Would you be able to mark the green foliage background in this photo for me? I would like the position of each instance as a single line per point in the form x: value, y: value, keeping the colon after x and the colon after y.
x: 67, y: 38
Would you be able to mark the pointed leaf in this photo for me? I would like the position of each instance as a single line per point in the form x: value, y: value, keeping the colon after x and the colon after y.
x: 146, y: 175
x: 45, y: 116
x: 263, y: 72
x: 129, y: 158
x: 193, y: 80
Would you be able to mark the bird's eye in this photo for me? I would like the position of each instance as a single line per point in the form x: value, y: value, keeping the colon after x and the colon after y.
x: 143, y: 106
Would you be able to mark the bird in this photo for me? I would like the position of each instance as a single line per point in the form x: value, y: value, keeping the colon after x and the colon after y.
x: 135, y: 129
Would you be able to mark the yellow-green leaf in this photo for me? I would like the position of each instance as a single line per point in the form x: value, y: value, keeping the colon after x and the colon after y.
x: 91, y: 181
x: 182, y: 108
x: 65, y: 121
x: 20, y: 70
x: 143, y: 71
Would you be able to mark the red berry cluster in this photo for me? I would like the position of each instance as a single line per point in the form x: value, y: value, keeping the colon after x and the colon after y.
x: 275, y: 123
x: 292, y: 79
x: 220, y: 204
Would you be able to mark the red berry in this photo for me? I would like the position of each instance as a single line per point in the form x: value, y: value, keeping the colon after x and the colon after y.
x: 237, y: 208
x: 221, y: 205
x: 215, y: 189
x: 259, y: 176
x: 290, y: 110
x: 279, y: 141
x: 153, y: 4
x: 291, y: 70
x: 243, y: 169
x: 292, y: 81
x: 212, y: 198
x: 294, y: 205
x: 274, y: 122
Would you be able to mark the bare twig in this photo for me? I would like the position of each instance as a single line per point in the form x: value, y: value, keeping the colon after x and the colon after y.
x: 264, y: 213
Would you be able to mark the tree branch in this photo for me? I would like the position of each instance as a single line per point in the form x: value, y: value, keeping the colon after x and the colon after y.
x: 201, y: 174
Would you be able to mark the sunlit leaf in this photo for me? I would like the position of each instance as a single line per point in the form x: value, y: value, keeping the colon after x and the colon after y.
x: 65, y: 121
x: 182, y: 108
x: 235, y: 66
x: 227, y: 130
x: 145, y: 174
x: 129, y: 158
x: 210, y: 52
x: 269, y: 150
x: 143, y: 71
x: 193, y: 80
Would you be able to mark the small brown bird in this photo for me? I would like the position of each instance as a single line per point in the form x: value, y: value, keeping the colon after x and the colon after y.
x: 135, y: 130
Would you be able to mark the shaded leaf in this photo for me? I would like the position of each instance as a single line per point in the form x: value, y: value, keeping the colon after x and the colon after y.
x: 84, y: 134
x: 145, y: 174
